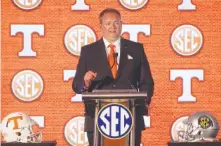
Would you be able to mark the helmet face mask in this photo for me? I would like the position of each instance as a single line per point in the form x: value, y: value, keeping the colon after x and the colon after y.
x: 28, y: 136
x: 18, y: 127
x: 36, y: 137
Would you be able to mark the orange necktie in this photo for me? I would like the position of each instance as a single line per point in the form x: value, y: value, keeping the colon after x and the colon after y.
x: 112, y: 61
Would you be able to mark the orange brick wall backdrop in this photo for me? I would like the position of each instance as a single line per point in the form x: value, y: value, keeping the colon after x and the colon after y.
x: 52, y: 58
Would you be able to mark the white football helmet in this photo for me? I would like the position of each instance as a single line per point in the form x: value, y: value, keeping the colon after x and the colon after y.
x: 200, y: 126
x: 19, y: 127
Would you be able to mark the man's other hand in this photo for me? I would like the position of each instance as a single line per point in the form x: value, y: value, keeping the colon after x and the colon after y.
x: 88, y: 77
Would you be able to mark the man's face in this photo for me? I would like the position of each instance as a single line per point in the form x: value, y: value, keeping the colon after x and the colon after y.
x: 111, y: 26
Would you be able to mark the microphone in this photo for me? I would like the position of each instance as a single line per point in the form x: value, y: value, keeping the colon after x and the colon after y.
x: 131, y: 85
x: 115, y: 57
x: 134, y: 84
x: 138, y: 86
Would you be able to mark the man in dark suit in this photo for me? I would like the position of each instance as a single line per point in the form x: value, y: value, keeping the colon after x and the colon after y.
x: 113, y: 63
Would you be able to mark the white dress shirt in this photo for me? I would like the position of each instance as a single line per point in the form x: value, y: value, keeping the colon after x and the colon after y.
x: 117, y: 48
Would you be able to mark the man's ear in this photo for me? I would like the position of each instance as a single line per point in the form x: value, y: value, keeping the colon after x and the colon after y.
x: 100, y: 23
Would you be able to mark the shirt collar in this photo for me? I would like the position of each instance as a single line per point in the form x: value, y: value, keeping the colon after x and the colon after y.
x: 107, y: 43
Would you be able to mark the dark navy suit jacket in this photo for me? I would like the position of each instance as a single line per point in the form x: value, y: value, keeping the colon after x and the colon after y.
x: 132, y: 73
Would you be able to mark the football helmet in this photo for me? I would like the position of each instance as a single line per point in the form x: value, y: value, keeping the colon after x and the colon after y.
x: 200, y: 126
x: 19, y: 127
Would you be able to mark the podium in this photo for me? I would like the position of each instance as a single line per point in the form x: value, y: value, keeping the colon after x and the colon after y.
x: 44, y: 143
x: 123, y: 97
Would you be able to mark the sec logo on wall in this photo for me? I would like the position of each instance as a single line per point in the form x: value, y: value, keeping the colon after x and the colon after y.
x: 78, y: 36
x: 133, y: 4
x: 27, y: 85
x: 27, y: 4
x: 74, y: 132
x: 114, y: 121
x: 186, y: 40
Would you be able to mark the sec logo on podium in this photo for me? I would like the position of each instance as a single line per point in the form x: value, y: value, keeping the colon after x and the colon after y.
x: 114, y: 121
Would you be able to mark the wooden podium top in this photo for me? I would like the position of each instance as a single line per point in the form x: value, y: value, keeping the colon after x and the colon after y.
x: 44, y: 143
x: 114, y: 94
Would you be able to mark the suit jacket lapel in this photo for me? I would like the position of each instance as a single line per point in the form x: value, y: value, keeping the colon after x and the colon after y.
x: 123, y: 57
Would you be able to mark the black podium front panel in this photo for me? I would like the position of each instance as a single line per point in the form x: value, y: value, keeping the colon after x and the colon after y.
x: 44, y: 143
x: 194, y: 143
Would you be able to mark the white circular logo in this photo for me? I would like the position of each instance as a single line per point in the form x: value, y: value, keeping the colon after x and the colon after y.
x: 74, y: 132
x: 114, y: 121
x: 27, y: 85
x: 27, y: 4
x: 78, y: 36
x: 187, y: 40
x: 133, y: 4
